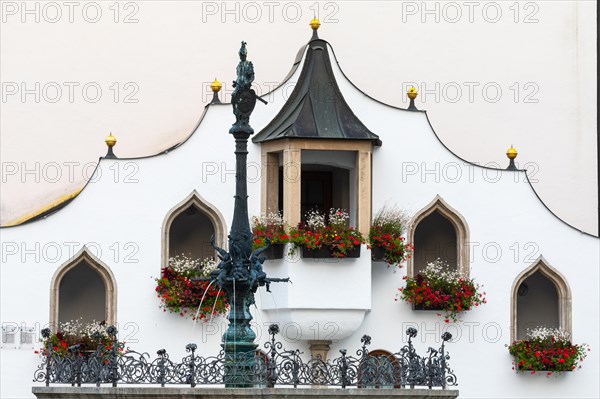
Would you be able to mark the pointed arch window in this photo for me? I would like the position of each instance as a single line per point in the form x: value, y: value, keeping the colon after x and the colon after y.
x: 541, y: 297
x: 83, y: 288
x: 188, y: 228
x: 438, y: 231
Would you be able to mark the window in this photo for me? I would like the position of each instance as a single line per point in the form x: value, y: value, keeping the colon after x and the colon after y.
x: 540, y: 297
x: 323, y: 174
x: 439, y: 231
x: 9, y: 334
x: 82, y: 294
x: 323, y: 187
x: 188, y: 228
x: 435, y: 238
x: 83, y: 288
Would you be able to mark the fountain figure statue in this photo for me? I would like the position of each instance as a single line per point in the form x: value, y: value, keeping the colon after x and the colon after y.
x: 240, y: 271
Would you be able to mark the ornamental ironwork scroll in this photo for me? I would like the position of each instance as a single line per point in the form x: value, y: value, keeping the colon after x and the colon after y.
x: 275, y: 366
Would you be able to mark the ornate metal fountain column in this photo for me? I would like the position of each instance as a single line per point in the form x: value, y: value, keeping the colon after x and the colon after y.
x: 240, y: 272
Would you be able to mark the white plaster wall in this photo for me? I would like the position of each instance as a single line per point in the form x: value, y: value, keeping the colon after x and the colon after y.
x: 170, y: 52
x: 119, y: 217
x: 503, y: 214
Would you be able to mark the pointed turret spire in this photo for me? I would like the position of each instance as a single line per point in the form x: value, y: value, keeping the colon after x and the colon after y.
x: 316, y: 109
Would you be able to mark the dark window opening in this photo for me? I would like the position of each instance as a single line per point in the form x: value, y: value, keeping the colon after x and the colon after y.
x: 435, y: 238
x: 82, y: 295
x: 190, y: 234
x: 537, y: 304
x: 322, y: 187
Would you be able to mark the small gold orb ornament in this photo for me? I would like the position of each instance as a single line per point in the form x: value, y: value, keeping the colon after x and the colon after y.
x: 511, y: 153
x: 215, y: 86
x: 412, y: 93
x: 315, y: 23
x: 110, y: 140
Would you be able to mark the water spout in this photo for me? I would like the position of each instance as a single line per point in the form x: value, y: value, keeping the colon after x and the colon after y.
x: 200, y: 306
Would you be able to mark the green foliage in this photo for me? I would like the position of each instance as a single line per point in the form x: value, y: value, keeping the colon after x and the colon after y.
x: 437, y: 288
x: 389, y: 225
x: 547, y: 350
x: 271, y: 226
x: 179, y: 293
x: 75, y: 332
x: 337, y: 235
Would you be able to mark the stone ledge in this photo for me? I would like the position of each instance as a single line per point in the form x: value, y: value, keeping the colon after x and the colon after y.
x: 237, y: 393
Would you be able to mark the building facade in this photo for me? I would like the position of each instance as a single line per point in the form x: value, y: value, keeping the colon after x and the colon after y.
x: 326, y: 145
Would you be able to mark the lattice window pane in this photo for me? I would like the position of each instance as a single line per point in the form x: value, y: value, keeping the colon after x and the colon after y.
x: 28, y: 336
x: 9, y: 334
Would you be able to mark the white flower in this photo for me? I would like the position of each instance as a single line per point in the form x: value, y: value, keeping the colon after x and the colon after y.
x: 270, y: 219
x: 391, y: 216
x: 338, y: 217
x: 315, y: 220
x: 78, y: 328
x: 207, y: 266
x: 543, y: 333
x: 440, y: 270
x: 184, y: 264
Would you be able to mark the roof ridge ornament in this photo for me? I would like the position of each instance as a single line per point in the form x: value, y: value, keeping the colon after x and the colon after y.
x: 315, y: 24
x: 512, y: 153
x: 215, y: 86
x: 110, y: 143
x: 412, y: 93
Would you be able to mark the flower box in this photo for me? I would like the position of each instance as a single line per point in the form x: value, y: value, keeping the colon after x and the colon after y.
x: 437, y: 288
x: 319, y: 239
x: 385, y: 237
x: 542, y: 369
x: 181, y: 289
x: 326, y: 253
x: 275, y: 251
x: 422, y: 306
x: 548, y: 350
x: 89, y: 336
x: 269, y: 228
x: 377, y: 254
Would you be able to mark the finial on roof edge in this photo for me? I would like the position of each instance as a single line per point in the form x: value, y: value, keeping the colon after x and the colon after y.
x: 315, y: 24
x: 110, y: 143
x: 511, y: 153
x: 412, y: 94
x: 215, y: 86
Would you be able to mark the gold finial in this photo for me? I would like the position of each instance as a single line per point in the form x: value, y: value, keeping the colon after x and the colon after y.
x: 315, y: 23
x: 110, y: 140
x: 412, y: 93
x: 215, y: 86
x: 511, y: 153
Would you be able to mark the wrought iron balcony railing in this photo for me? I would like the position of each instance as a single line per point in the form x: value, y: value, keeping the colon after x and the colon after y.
x: 273, y: 367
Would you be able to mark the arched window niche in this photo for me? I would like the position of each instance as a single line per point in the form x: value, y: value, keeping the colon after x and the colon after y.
x: 83, y: 288
x: 439, y: 231
x: 540, y: 297
x: 188, y: 227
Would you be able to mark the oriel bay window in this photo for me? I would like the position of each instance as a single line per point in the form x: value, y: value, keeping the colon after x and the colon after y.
x: 303, y: 175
